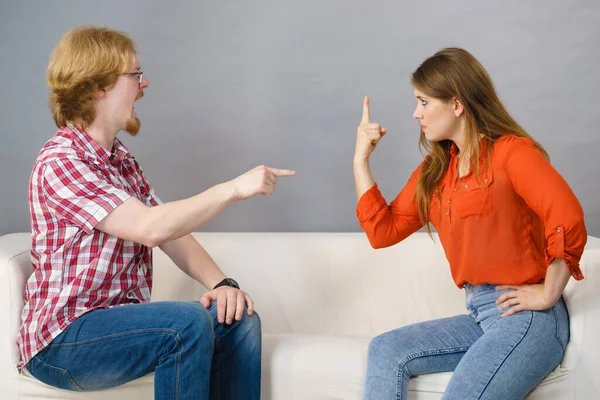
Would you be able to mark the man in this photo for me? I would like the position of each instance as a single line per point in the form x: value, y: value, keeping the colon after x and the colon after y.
x: 87, y: 321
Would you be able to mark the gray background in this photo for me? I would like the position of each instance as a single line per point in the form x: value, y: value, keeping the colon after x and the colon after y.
x: 237, y: 84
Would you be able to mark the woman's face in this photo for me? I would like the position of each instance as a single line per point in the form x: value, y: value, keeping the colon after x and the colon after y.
x: 439, y: 120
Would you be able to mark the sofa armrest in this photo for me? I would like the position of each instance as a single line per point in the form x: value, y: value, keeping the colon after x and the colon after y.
x: 583, y: 303
x: 15, y: 268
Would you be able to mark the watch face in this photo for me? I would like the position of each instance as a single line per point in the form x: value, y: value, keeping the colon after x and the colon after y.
x: 232, y: 283
x: 227, y: 282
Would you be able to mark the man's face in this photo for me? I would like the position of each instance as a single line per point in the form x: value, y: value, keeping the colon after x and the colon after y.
x: 122, y: 97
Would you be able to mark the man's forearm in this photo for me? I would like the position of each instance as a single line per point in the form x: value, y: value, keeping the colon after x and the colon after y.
x: 173, y: 220
x: 192, y: 259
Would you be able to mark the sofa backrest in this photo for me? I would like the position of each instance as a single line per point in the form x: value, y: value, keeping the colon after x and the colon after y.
x: 330, y: 283
x: 335, y: 283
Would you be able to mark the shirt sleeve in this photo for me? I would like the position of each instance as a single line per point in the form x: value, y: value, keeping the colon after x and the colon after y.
x: 386, y: 225
x: 547, y: 193
x: 151, y: 199
x: 79, y: 192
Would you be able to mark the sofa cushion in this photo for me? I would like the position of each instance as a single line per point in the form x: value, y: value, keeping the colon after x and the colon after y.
x: 32, y: 389
x: 297, y: 366
x: 300, y: 366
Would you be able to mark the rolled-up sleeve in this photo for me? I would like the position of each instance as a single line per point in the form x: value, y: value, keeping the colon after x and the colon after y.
x: 386, y: 225
x: 547, y: 193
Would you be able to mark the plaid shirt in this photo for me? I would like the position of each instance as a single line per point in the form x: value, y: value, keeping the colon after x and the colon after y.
x: 75, y: 183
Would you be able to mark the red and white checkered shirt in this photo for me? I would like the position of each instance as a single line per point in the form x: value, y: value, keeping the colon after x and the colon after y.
x: 75, y: 183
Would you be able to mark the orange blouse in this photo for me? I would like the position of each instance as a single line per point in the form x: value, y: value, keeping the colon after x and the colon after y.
x: 505, y: 228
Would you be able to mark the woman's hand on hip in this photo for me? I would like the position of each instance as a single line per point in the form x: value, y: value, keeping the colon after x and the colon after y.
x: 523, y: 298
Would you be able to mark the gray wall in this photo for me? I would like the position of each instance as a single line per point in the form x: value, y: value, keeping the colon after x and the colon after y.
x: 237, y: 84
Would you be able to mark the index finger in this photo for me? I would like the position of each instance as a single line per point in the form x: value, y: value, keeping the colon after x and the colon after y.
x: 231, y: 307
x: 366, y: 115
x: 221, y: 306
x: 281, y: 172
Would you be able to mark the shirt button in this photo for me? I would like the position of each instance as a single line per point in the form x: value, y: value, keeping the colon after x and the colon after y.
x: 454, y: 190
x: 557, y: 229
x: 447, y: 212
x: 466, y: 186
x: 448, y: 202
x: 486, y: 181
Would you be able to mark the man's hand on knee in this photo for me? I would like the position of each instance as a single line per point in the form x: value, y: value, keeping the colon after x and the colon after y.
x: 230, y: 303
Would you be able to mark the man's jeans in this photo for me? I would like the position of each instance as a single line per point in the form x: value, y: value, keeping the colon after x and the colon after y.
x: 192, y: 355
x: 492, y: 357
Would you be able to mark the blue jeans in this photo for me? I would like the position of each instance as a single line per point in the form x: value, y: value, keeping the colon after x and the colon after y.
x: 192, y: 355
x: 492, y: 357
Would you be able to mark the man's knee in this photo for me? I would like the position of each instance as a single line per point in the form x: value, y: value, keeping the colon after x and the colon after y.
x: 252, y: 326
x: 195, y: 321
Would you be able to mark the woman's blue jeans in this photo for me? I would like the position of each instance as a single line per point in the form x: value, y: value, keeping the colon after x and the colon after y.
x: 492, y: 357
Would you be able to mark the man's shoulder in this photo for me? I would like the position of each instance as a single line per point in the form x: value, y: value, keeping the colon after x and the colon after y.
x: 60, y: 148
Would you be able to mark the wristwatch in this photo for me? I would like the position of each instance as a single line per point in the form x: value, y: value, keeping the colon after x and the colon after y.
x: 227, y: 282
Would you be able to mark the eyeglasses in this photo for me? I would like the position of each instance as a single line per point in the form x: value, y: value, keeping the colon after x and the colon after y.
x: 140, y: 75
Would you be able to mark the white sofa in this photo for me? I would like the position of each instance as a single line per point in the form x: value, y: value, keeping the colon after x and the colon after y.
x: 321, y: 298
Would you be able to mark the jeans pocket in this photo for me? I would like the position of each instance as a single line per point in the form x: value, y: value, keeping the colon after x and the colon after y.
x: 51, y: 375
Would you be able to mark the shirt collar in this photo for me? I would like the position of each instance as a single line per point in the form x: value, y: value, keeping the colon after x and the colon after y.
x: 483, y: 144
x: 453, y: 150
x: 85, y: 141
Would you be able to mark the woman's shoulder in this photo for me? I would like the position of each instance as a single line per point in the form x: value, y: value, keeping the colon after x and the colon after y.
x: 511, y: 140
x: 510, y: 143
x: 512, y: 149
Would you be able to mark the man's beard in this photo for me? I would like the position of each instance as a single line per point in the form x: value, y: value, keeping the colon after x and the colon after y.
x: 132, y: 126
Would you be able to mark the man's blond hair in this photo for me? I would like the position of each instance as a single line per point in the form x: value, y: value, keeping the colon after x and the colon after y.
x: 85, y: 60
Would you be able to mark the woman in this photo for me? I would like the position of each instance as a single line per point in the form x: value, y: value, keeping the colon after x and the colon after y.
x: 511, y: 228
